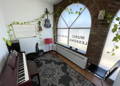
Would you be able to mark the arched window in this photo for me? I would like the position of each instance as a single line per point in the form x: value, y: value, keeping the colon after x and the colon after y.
x: 109, y: 58
x: 74, y: 27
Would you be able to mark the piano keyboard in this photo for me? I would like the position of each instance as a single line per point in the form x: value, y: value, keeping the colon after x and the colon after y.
x: 22, y: 71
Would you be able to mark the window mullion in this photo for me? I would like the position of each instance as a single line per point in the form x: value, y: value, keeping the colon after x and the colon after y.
x: 64, y: 21
x: 68, y: 36
x: 77, y: 17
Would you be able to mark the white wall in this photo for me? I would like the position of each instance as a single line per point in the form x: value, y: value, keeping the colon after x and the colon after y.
x: 25, y: 10
x: 28, y: 46
x: 3, y: 47
x: 117, y: 81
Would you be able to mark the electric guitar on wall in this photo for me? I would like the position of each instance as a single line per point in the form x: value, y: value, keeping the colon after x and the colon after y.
x: 47, y: 21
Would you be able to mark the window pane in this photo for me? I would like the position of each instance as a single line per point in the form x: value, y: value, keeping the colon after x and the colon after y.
x: 61, y: 23
x: 69, y: 15
x: 62, y: 36
x: 79, y: 39
x: 84, y: 20
x: 76, y: 17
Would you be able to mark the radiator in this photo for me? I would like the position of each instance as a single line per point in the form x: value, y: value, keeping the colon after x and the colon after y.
x: 76, y: 58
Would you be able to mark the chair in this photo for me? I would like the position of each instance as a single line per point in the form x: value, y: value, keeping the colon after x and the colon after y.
x: 48, y: 41
x: 34, y: 73
x: 32, y: 56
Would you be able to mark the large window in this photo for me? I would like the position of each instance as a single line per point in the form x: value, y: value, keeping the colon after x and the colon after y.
x: 109, y: 59
x: 74, y: 27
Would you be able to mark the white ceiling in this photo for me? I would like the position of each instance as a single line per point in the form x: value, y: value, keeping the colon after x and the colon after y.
x: 53, y: 1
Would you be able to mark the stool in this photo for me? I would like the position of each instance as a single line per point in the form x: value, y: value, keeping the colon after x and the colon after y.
x: 33, y: 70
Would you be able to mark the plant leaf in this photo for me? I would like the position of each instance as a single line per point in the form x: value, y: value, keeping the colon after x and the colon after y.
x: 116, y: 47
x: 115, y: 39
x: 9, y: 43
x: 115, y: 28
x: 113, y: 54
x: 118, y: 18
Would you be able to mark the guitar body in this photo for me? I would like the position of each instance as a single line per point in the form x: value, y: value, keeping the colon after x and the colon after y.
x: 47, y: 23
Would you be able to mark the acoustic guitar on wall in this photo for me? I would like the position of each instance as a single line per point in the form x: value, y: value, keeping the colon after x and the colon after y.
x: 47, y: 21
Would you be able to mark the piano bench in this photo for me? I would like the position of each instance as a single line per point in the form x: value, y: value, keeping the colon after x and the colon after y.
x: 38, y: 78
x: 33, y: 71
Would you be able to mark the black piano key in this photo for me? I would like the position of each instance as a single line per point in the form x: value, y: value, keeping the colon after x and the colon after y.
x: 21, y: 75
x: 21, y: 80
x: 21, y: 66
x: 21, y: 69
x: 21, y: 72
x: 20, y: 62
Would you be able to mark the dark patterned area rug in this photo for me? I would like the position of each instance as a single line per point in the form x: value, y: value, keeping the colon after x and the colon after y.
x: 54, y: 72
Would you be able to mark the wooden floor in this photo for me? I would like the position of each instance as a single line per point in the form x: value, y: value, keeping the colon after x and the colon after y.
x: 88, y: 75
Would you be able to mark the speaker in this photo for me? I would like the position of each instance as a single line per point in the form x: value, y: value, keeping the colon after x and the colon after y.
x: 15, y: 46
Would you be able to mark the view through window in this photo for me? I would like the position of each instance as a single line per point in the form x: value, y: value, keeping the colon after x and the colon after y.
x: 74, y: 27
x: 107, y: 59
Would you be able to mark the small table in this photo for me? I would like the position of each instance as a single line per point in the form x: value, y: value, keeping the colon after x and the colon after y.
x: 33, y: 71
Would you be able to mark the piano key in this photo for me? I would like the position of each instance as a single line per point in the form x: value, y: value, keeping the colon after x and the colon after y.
x: 21, y: 80
x: 20, y: 71
x: 22, y: 74
x: 21, y: 68
x: 25, y: 68
x: 21, y: 65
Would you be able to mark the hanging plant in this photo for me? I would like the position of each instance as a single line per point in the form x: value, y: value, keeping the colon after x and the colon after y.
x: 116, y: 38
x: 39, y: 19
x: 10, y: 28
x: 108, y: 17
x: 8, y: 42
